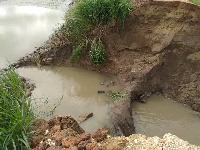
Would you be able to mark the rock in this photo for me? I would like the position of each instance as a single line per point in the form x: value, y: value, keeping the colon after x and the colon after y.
x: 121, y: 115
x: 55, y: 128
x: 80, y: 140
x: 56, y: 148
x: 102, y: 83
x: 70, y: 142
x: 69, y: 122
x: 84, y: 117
x: 55, y: 120
x: 100, y: 148
x: 82, y: 145
x: 43, y: 146
x: 100, y: 134
x: 85, y: 136
x: 112, y: 83
x: 91, y: 146
x: 58, y: 136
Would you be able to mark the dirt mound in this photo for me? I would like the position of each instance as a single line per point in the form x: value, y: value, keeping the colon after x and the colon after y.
x: 158, y: 51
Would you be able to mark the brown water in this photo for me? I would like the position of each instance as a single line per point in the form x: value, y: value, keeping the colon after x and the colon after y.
x: 22, y: 28
x: 79, y: 89
x: 159, y: 116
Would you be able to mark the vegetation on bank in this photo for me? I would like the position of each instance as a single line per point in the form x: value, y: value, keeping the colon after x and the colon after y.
x: 118, y: 95
x: 16, y: 115
x: 84, y: 16
x: 195, y: 2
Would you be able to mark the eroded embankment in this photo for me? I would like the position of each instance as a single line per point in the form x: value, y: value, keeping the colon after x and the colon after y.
x: 158, y: 51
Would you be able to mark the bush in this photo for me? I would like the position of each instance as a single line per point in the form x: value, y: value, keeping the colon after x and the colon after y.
x: 118, y: 95
x: 86, y: 14
x: 102, y: 11
x: 97, y: 53
x: 16, y: 115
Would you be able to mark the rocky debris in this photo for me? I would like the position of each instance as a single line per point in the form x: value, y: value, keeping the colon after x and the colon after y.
x: 141, y: 142
x: 69, y: 122
x: 100, y: 140
x: 84, y: 117
x: 55, y: 131
x: 100, y: 134
x: 121, y: 115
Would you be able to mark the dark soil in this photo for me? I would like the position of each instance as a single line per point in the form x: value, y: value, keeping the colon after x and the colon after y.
x: 157, y: 52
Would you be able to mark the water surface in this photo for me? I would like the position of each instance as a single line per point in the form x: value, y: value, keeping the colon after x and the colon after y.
x: 159, y: 116
x: 22, y: 28
x: 79, y: 89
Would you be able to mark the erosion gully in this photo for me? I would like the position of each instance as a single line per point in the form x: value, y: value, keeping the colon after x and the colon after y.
x: 23, y: 28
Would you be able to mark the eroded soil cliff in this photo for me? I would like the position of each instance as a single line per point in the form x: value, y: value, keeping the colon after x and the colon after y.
x: 158, y: 51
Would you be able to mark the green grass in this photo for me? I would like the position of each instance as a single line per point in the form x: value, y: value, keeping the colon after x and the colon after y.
x: 16, y: 115
x: 195, y: 2
x: 118, y: 95
x: 97, y: 53
x: 85, y: 15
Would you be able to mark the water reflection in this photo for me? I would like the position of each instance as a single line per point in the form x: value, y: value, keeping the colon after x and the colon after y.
x: 22, y: 28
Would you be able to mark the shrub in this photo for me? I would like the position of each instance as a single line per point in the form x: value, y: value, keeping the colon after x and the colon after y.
x: 102, y: 11
x: 86, y: 14
x: 97, y: 53
x: 118, y: 95
x: 16, y: 115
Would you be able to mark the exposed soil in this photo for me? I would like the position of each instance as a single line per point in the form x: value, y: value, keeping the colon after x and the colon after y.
x: 157, y: 52
x: 64, y: 133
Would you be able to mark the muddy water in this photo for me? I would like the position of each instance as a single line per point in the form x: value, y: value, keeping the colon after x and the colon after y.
x: 22, y: 28
x: 79, y: 89
x: 159, y: 116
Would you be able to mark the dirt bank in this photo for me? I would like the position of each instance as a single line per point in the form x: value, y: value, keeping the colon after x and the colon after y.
x: 157, y: 52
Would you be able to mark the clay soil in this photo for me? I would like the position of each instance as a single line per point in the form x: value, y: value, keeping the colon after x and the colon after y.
x: 157, y: 52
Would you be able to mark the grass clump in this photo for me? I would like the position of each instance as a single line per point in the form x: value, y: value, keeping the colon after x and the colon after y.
x: 97, y: 53
x: 86, y: 14
x: 16, y: 115
x: 197, y: 2
x: 118, y: 95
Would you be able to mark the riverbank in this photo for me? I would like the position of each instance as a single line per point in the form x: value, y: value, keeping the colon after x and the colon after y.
x: 156, y: 53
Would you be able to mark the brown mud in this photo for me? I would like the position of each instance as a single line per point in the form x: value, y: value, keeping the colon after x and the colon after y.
x: 157, y: 52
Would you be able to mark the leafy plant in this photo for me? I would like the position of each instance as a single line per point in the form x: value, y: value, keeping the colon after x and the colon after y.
x: 16, y: 115
x: 97, y: 53
x: 118, y: 95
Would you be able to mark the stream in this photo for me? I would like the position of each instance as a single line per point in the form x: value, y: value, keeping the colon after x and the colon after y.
x: 23, y: 28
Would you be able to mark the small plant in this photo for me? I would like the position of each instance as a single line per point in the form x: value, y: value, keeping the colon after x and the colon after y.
x: 118, y: 95
x: 16, y: 115
x: 97, y: 53
x: 197, y: 2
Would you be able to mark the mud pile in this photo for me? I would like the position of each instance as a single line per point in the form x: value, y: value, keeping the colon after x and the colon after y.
x: 157, y: 52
